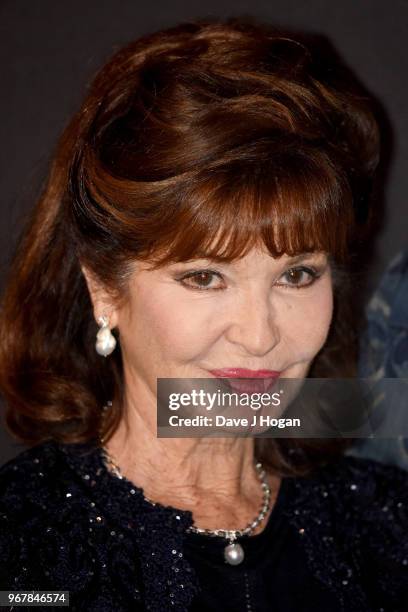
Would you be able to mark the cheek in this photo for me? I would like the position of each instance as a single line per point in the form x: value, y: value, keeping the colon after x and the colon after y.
x: 164, y: 327
x: 310, y: 320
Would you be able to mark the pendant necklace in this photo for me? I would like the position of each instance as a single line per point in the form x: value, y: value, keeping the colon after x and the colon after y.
x: 233, y: 551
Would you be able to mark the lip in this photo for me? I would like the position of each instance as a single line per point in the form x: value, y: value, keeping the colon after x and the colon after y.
x: 244, y: 373
x: 256, y: 381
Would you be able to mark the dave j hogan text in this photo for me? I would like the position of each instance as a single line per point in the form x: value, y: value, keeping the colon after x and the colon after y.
x: 222, y: 421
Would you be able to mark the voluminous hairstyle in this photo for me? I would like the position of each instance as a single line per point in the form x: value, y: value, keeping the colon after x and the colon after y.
x: 202, y: 140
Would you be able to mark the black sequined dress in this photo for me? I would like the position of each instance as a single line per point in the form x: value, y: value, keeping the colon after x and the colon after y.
x: 335, y: 541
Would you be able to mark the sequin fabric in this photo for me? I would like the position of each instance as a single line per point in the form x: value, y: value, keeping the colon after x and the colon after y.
x: 67, y: 523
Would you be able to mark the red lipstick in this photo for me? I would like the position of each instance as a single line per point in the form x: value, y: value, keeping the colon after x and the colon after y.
x: 243, y: 373
x: 260, y: 380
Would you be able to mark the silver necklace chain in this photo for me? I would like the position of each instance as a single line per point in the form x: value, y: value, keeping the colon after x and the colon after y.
x: 232, y: 534
x: 233, y: 553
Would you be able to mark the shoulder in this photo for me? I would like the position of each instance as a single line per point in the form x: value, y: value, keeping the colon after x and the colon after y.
x: 37, y: 483
x: 27, y: 492
x: 357, y: 482
x: 30, y: 477
x: 367, y: 492
x: 43, y: 521
x: 33, y: 489
x: 364, y: 504
x: 47, y: 542
x: 28, y: 460
x: 365, y: 480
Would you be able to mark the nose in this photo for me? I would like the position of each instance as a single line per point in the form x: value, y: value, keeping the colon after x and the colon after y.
x: 253, y: 324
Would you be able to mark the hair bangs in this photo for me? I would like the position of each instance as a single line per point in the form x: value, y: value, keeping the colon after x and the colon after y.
x: 289, y: 207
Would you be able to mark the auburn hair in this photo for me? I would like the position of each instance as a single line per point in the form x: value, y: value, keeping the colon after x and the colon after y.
x: 201, y: 140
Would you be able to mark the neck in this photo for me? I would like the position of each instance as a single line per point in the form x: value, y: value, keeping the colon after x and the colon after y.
x: 215, y: 478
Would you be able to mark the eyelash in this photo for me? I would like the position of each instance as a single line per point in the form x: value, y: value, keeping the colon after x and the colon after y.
x: 313, y: 273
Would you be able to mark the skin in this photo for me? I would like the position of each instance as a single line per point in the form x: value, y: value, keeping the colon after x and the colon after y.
x: 254, y: 313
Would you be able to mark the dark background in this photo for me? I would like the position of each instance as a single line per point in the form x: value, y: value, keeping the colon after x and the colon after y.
x: 50, y: 49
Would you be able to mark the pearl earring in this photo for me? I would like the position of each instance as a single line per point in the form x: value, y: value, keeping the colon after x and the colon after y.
x: 105, y: 340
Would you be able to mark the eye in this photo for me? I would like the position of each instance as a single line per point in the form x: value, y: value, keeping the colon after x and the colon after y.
x: 201, y: 280
x: 299, y: 277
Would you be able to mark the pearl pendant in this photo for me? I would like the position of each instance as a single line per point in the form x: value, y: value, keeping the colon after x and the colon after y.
x: 234, y: 554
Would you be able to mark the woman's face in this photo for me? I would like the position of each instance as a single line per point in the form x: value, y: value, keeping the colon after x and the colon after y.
x: 260, y: 313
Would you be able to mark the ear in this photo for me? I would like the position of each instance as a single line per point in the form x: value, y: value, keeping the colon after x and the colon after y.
x: 101, y: 299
